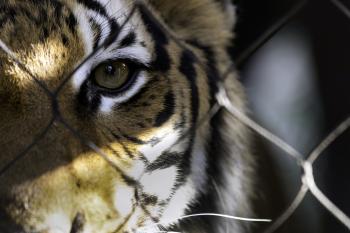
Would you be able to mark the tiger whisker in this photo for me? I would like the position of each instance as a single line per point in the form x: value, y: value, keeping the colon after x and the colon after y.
x: 212, y: 215
x: 159, y: 232
x: 226, y: 216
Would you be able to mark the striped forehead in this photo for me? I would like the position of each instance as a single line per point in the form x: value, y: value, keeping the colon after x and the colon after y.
x: 106, y: 18
x: 99, y: 21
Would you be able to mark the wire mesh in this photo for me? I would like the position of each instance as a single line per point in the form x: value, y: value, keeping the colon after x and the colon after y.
x: 308, y: 182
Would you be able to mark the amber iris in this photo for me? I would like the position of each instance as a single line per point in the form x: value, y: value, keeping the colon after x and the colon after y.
x: 112, y: 75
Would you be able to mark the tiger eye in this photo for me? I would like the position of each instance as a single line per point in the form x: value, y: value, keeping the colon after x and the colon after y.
x: 112, y: 75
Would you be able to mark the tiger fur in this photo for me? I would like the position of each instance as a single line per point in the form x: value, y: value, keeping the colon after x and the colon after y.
x: 133, y: 159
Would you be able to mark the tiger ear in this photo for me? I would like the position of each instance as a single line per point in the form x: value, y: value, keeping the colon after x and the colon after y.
x: 209, y: 21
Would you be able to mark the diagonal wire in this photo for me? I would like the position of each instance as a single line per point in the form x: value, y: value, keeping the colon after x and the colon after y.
x: 232, y: 68
x: 345, y: 125
x: 97, y: 149
x: 270, y: 32
x: 225, y: 102
x: 21, y: 65
x: 243, y: 57
x: 341, y: 7
x: 179, y: 41
x: 13, y: 57
x: 323, y: 199
x: 28, y: 148
x: 308, y: 178
x: 271, y: 137
x: 216, y: 107
x: 289, y: 211
x: 53, y: 96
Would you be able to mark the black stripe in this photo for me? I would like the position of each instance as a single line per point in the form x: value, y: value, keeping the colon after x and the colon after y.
x: 4, y: 20
x: 113, y: 34
x: 184, y: 166
x: 187, y: 68
x: 57, y: 6
x: 212, y: 71
x: 4, y: 14
x: 88, y: 99
x: 162, y: 60
x: 129, y: 180
x: 180, y: 124
x: 94, y: 5
x: 71, y: 21
x: 11, y: 12
x: 127, y: 151
x: 112, y: 149
x: 168, y: 111
x: 143, y: 207
x: 206, y: 202
x: 148, y: 199
x: 134, y: 140
x: 64, y: 39
x: 128, y: 40
x: 96, y: 28
x: 154, y: 141
x: 165, y: 160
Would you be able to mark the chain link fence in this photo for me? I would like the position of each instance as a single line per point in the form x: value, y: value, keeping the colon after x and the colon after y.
x: 304, y: 162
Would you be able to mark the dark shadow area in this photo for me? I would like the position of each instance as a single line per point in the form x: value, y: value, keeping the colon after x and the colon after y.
x: 325, y: 30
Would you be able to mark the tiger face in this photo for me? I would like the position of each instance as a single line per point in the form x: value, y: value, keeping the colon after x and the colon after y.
x: 100, y: 102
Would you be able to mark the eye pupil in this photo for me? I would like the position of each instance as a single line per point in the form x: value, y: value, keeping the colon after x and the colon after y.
x: 109, y: 69
x: 111, y: 75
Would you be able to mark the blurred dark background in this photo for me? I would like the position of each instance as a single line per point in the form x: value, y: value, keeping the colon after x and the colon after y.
x: 298, y: 84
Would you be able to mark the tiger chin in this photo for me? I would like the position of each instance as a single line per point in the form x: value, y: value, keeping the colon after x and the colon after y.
x: 105, y: 123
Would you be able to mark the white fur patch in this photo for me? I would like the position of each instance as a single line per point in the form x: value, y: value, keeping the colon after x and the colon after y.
x: 123, y: 197
x: 84, y: 28
x: 57, y: 222
x: 168, y: 139
x: 103, y: 22
x: 136, y: 171
x: 138, y: 53
x: 107, y: 103
x: 179, y: 203
x: 159, y: 182
x: 80, y: 75
x: 199, y: 166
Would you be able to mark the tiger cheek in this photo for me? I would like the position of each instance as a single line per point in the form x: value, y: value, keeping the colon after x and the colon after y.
x: 144, y: 111
x: 88, y: 179
x: 124, y: 148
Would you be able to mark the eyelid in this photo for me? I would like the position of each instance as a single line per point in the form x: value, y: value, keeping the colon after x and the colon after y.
x: 133, y: 53
x: 135, y: 68
x: 133, y: 61
x: 121, y: 91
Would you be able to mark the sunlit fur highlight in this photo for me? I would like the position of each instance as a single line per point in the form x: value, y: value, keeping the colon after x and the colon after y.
x: 141, y: 158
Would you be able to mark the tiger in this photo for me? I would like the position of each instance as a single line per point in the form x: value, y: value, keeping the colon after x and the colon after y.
x: 107, y: 121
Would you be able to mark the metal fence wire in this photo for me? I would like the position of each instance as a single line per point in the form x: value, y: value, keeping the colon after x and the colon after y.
x: 308, y: 183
